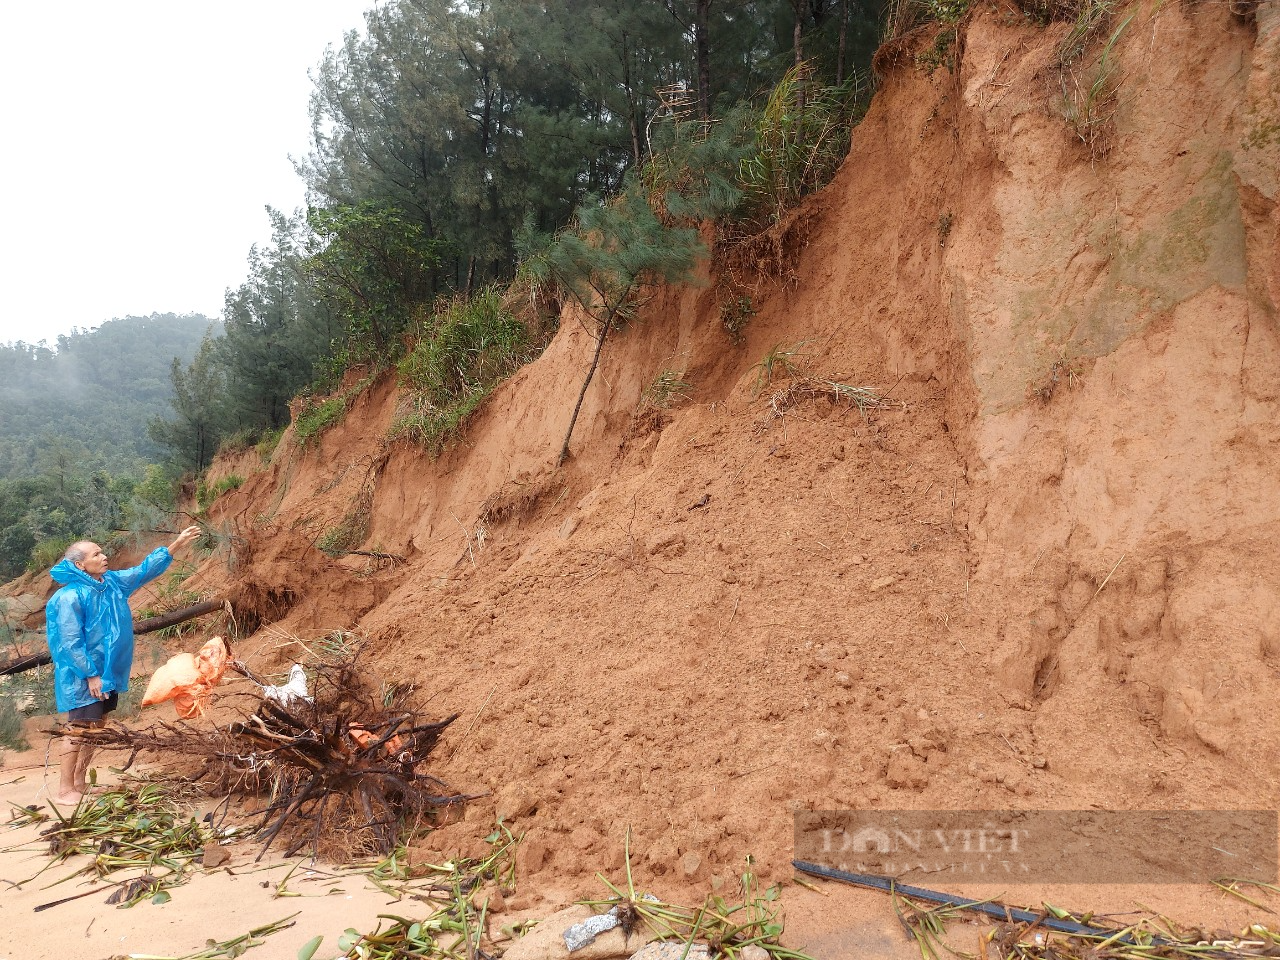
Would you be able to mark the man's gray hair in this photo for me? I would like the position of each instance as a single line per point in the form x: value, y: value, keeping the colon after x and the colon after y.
x: 77, y: 551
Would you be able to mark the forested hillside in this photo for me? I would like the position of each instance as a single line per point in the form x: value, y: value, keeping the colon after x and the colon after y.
x: 74, y: 438
x: 452, y: 142
x: 90, y: 395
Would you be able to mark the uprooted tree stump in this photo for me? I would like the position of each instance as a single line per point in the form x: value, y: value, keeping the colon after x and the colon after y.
x: 342, y: 769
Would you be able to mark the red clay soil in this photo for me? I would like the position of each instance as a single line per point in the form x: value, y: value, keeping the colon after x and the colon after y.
x: 1044, y: 578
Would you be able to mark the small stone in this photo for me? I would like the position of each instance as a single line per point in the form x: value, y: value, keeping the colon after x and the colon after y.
x: 1039, y: 762
x: 754, y: 952
x: 673, y: 951
x: 843, y: 679
x: 214, y: 856
x: 883, y: 582
x: 566, y: 529
x: 690, y: 863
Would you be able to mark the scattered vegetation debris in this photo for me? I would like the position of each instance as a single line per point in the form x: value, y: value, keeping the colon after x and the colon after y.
x: 1052, y: 933
x: 24, y: 816
x: 803, y: 388
x: 342, y: 770
x: 227, y: 949
x: 457, y: 927
x: 127, y: 829
x: 725, y: 926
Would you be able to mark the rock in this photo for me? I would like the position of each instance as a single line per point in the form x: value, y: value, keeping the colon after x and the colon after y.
x: 214, y: 856
x: 754, y: 952
x: 566, y: 529
x: 530, y: 856
x: 672, y: 950
x: 843, y: 679
x: 883, y: 582
x: 690, y: 864
x: 546, y: 940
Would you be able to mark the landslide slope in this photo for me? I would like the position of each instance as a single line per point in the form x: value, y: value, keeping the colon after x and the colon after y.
x: 1044, y: 578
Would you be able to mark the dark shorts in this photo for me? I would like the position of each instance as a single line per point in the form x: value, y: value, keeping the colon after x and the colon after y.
x: 93, y: 712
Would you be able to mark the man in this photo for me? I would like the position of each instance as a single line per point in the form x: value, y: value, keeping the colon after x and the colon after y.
x: 90, y: 632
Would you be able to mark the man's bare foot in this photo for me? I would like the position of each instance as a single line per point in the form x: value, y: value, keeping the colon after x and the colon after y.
x: 71, y: 799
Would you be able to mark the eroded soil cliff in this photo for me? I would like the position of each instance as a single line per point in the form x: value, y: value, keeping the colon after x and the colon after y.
x: 1043, y: 578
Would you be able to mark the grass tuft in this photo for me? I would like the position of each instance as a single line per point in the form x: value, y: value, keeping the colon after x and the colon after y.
x: 463, y: 352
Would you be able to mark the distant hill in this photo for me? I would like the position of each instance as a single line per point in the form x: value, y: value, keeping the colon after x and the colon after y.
x: 91, y: 394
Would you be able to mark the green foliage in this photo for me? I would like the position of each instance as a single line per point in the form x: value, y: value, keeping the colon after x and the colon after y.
x: 374, y: 265
x: 11, y: 722
x: 22, y: 696
x: 802, y: 136
x: 48, y: 552
x: 1089, y: 94
x: 945, y: 11
x: 340, y: 539
x: 464, y: 351
x: 46, y: 513
x: 1091, y: 17
x: 316, y: 416
x: 939, y: 53
x: 205, y: 495
x: 735, y: 312
x: 158, y: 488
x: 668, y: 388
x: 279, y: 327
x: 615, y: 250
x: 266, y: 446
x: 694, y: 172
x: 200, y: 417
x: 782, y: 360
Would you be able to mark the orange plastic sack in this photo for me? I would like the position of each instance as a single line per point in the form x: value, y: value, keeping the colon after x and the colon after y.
x: 363, y: 738
x: 189, y: 680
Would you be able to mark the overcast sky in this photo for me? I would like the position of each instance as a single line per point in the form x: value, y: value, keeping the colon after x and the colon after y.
x: 142, y: 140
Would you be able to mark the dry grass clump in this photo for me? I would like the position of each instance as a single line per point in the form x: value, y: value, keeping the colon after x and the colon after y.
x: 805, y: 388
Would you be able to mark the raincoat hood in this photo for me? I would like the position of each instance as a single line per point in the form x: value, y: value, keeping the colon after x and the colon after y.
x: 65, y: 572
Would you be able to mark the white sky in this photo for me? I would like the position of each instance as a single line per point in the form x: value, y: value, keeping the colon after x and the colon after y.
x: 141, y: 142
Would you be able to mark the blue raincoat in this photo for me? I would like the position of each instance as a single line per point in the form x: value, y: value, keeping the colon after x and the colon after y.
x: 90, y: 628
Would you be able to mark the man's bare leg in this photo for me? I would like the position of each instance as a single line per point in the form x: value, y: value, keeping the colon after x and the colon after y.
x: 69, y: 794
x: 82, y: 767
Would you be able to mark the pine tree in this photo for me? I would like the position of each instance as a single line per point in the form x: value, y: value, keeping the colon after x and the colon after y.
x: 613, y: 251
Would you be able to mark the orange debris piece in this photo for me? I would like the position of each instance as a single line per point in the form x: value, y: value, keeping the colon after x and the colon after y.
x: 363, y: 737
x: 188, y: 680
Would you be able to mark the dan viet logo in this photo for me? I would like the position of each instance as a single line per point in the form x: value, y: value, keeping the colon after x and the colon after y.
x: 1033, y: 846
x: 985, y: 849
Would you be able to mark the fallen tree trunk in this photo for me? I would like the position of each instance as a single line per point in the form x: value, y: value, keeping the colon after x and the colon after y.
x: 23, y: 664
x: 149, y: 625
x: 178, y: 616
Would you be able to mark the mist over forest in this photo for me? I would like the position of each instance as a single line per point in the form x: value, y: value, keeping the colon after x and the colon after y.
x: 462, y: 159
x: 74, y: 439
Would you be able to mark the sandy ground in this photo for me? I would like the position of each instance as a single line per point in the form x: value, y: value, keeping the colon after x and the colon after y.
x: 218, y: 904
x: 832, y: 922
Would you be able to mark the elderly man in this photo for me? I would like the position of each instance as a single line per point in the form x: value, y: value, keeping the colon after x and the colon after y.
x: 90, y: 632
